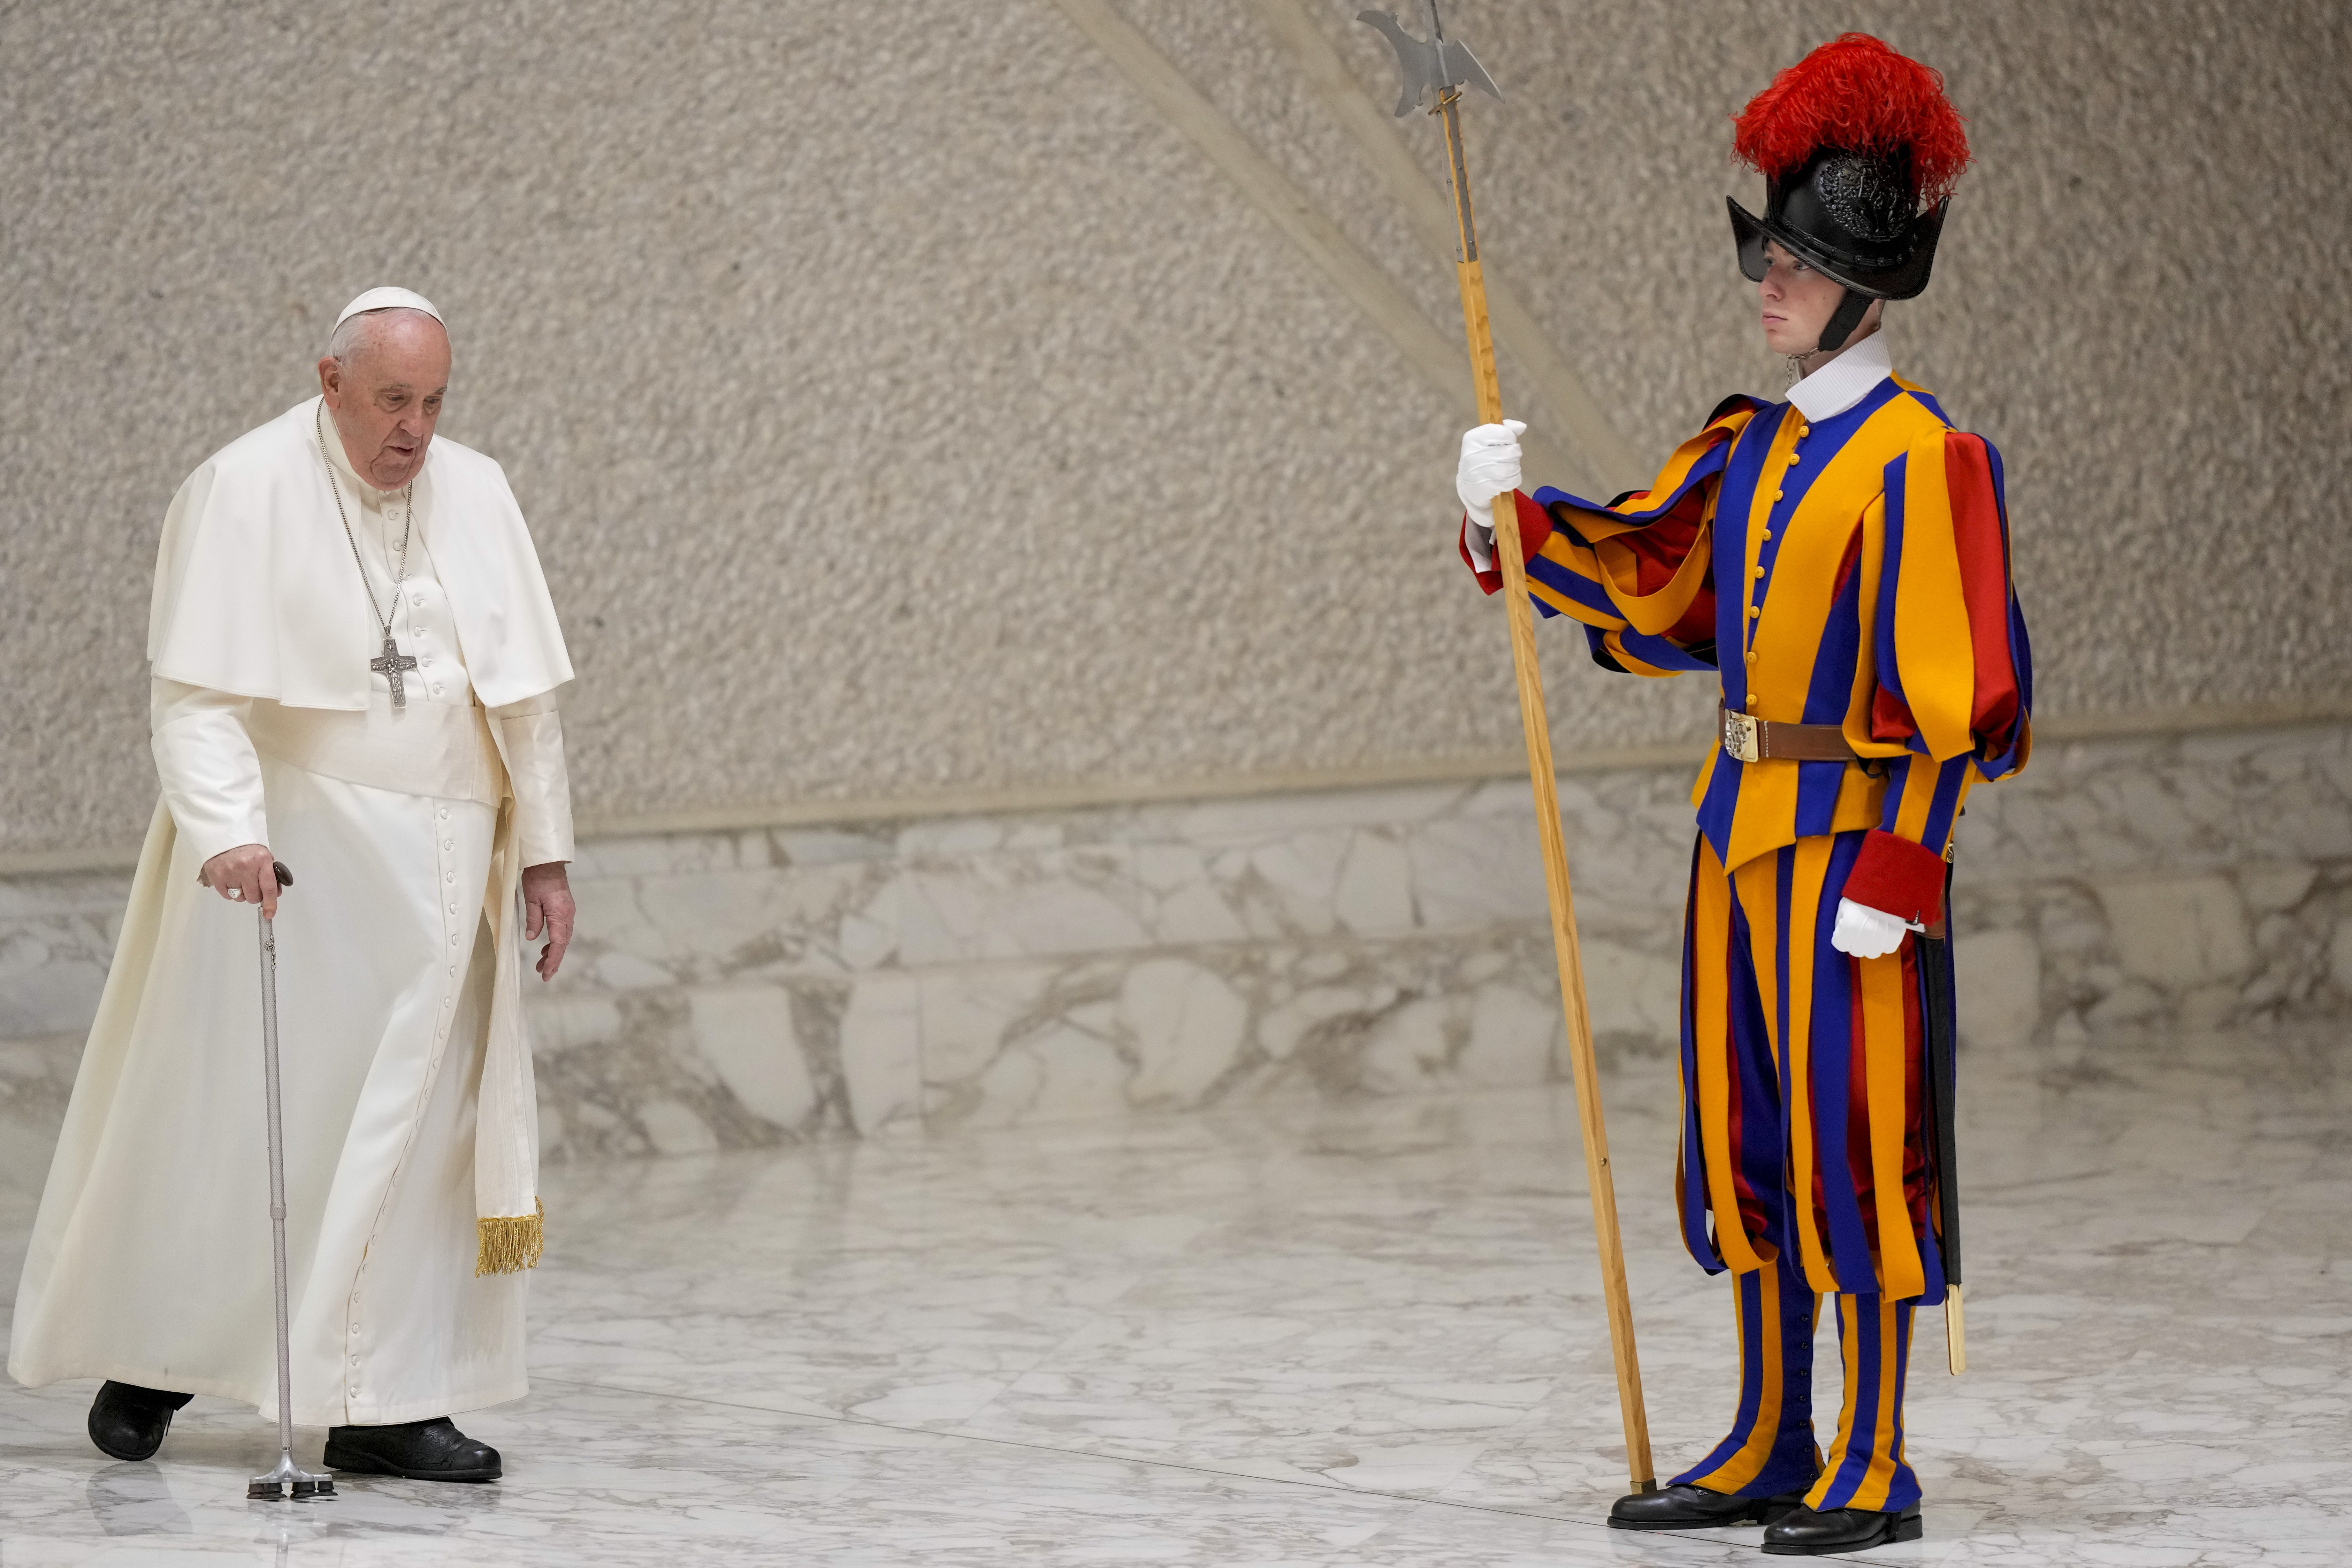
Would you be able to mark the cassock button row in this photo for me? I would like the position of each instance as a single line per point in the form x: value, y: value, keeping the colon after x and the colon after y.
x: 444, y: 813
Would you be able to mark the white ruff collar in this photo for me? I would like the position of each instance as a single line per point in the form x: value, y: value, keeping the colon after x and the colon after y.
x: 1845, y: 379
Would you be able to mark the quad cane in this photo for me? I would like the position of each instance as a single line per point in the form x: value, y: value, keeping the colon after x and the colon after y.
x: 286, y: 1480
x: 1438, y: 69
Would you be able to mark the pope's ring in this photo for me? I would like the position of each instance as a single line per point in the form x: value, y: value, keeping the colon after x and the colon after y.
x: 237, y: 893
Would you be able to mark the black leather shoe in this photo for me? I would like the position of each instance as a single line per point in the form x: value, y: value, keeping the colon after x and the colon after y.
x: 1805, y: 1533
x: 431, y: 1450
x: 1695, y: 1508
x: 127, y: 1422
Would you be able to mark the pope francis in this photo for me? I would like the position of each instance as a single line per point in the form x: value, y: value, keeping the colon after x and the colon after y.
x: 355, y: 664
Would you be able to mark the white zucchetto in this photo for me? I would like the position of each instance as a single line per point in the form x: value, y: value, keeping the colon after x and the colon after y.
x: 388, y: 298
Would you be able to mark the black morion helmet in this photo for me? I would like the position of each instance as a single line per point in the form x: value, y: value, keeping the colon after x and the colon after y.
x: 1852, y: 141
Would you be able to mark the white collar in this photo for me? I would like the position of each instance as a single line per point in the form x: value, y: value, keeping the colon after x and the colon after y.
x: 1845, y: 381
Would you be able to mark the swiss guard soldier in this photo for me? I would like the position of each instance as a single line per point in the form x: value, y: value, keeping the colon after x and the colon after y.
x: 1841, y: 560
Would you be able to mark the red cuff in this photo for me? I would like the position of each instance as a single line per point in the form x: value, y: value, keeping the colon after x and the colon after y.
x: 1535, y: 528
x: 1899, y: 877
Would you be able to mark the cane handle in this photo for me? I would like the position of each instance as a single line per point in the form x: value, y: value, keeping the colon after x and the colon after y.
x: 284, y: 877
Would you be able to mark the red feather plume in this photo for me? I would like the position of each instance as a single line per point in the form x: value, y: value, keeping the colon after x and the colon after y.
x: 1854, y: 92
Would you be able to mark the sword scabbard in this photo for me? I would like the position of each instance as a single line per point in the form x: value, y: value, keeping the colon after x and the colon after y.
x: 1942, y: 1078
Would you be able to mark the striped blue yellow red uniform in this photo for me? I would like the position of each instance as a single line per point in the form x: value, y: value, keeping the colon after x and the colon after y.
x: 1850, y: 571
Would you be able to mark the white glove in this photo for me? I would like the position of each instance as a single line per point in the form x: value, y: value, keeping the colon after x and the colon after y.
x: 1863, y: 932
x: 1490, y: 468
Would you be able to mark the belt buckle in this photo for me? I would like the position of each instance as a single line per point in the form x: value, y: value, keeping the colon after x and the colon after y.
x: 1739, y: 736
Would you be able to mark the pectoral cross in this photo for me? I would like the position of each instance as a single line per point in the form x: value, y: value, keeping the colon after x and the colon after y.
x: 389, y: 664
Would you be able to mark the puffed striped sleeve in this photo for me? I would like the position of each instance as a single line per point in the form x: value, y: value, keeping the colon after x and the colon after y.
x: 1637, y: 571
x: 1955, y: 671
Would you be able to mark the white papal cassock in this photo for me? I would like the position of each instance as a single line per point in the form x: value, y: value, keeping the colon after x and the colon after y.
x: 408, y: 1111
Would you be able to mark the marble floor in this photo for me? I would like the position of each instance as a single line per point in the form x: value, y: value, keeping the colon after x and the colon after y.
x: 1300, y: 1334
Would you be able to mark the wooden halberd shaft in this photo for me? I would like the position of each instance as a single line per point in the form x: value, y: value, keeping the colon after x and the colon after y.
x: 1538, y: 727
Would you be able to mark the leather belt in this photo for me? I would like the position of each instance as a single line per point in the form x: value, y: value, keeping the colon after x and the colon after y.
x: 1754, y: 740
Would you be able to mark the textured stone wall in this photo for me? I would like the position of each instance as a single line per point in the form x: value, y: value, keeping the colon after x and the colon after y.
x: 904, y: 404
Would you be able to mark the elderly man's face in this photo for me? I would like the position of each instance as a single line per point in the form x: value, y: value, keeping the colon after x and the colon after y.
x: 386, y: 395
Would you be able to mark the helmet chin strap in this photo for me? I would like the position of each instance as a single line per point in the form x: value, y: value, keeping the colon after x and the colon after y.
x: 1843, y: 321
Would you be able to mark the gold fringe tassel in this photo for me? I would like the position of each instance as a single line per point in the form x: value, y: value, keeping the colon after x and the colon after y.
x: 510, y: 1246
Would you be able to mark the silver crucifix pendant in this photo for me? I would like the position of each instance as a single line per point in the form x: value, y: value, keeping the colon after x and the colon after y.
x: 389, y: 664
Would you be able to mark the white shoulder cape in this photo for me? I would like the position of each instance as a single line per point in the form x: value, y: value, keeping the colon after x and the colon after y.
x: 258, y: 515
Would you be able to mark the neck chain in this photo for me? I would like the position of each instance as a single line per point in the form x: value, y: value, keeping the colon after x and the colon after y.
x: 392, y: 663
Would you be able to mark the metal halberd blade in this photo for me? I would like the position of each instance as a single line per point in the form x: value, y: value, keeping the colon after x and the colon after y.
x: 1431, y: 66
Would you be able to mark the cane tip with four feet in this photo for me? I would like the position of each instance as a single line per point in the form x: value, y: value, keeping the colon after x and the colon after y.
x: 287, y: 1483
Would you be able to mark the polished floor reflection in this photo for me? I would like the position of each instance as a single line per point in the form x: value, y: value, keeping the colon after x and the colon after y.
x: 1370, y: 1335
